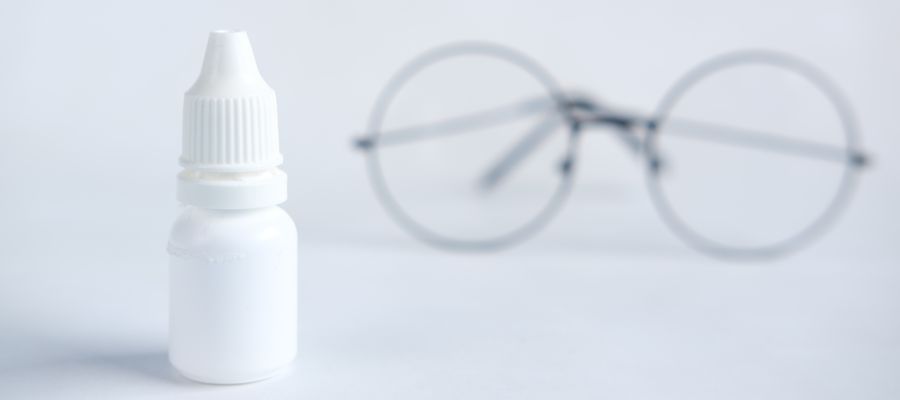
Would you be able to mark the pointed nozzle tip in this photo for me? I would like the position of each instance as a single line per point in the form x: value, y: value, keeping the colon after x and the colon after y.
x: 229, y: 66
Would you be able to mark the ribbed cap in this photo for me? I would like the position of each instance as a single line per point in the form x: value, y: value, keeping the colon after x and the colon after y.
x: 230, y: 113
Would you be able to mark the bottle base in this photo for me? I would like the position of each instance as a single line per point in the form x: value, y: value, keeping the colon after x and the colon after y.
x: 232, y: 380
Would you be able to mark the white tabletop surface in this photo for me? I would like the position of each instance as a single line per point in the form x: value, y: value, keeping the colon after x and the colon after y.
x: 575, y: 313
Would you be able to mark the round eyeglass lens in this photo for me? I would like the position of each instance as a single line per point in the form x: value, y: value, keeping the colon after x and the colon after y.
x: 468, y: 141
x: 752, y: 154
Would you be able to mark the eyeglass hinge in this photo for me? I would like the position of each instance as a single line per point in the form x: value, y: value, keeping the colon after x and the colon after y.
x: 364, y: 143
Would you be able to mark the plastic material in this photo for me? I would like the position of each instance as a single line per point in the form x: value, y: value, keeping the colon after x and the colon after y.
x: 230, y: 129
x: 233, y: 278
x: 233, y: 251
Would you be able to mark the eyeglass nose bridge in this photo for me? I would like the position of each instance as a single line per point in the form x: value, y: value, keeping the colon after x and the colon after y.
x: 583, y: 112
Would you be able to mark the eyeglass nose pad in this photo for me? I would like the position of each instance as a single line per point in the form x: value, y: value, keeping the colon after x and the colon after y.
x: 656, y: 164
x: 566, y: 165
x: 860, y: 160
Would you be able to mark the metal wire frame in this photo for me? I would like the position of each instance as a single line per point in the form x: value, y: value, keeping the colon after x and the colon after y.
x: 638, y: 132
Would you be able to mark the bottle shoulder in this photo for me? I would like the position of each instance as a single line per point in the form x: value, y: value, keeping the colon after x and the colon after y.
x: 201, y: 227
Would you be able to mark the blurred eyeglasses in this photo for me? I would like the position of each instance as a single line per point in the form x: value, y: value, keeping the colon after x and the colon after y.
x: 473, y: 146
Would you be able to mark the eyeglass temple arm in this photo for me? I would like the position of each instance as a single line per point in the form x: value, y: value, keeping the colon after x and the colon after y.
x: 725, y: 134
x: 456, y: 124
x: 520, y: 150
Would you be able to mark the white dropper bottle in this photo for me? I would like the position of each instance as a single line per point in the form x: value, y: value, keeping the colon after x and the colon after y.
x: 233, y: 251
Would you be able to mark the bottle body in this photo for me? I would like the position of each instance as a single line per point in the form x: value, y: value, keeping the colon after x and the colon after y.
x: 233, y: 293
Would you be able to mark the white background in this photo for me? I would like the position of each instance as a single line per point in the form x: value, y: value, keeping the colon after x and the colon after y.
x: 605, y: 303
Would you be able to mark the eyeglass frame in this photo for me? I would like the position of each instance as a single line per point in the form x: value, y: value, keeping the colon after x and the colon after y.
x: 637, y: 132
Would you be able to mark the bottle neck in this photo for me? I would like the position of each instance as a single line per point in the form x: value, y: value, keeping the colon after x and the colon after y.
x: 232, y: 190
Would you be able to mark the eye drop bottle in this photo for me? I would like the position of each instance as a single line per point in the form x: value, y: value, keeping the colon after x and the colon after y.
x: 233, y: 251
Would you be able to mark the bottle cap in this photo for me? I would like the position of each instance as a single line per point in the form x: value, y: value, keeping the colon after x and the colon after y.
x: 230, y: 134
